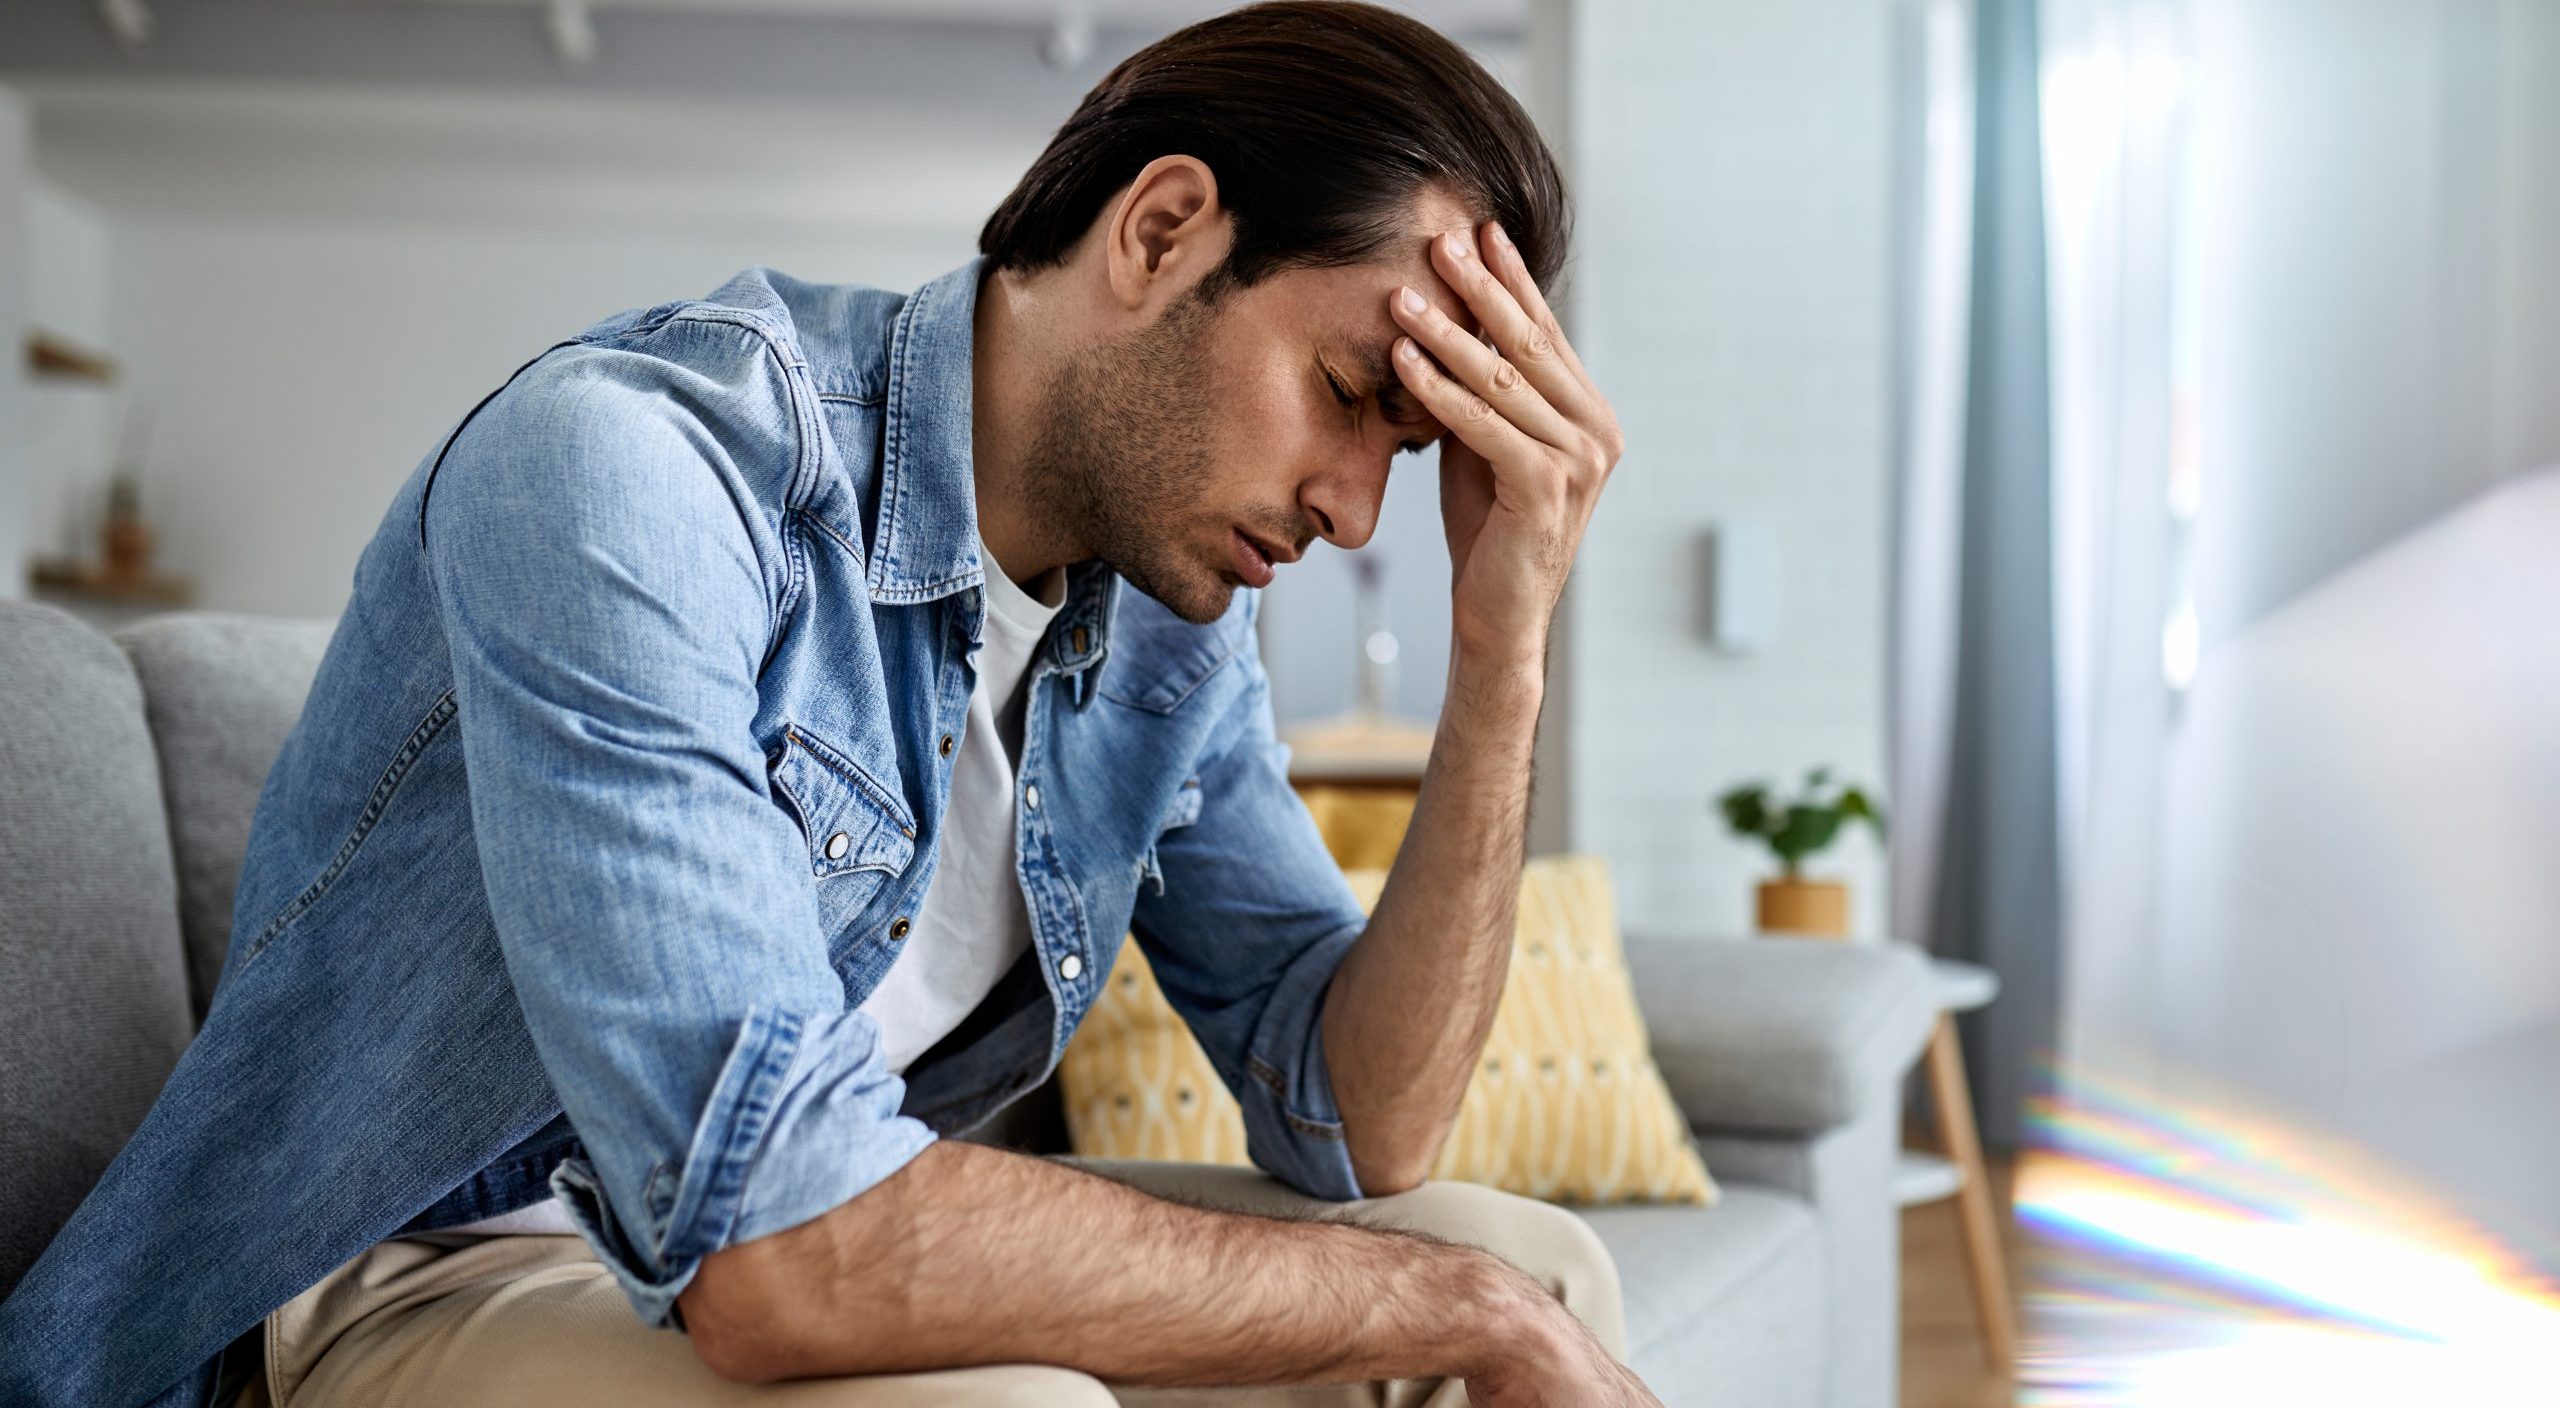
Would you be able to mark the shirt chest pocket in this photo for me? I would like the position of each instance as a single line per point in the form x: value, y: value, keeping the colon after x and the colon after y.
x: 859, y: 833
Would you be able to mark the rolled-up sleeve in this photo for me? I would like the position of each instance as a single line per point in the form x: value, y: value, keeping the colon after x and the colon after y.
x: 1244, y: 934
x: 608, y: 588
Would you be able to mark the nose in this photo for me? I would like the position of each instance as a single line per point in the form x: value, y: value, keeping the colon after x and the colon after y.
x: 1344, y: 501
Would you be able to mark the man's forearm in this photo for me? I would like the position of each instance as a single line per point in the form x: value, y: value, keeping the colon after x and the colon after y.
x: 1406, y: 1015
x: 971, y: 1255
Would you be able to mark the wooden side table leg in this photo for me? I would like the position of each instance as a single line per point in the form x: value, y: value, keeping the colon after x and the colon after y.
x: 1963, y: 1143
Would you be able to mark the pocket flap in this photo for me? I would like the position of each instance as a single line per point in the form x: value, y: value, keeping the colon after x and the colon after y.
x: 851, y: 820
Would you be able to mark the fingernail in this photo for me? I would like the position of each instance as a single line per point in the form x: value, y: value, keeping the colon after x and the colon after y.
x: 1457, y: 246
x: 1406, y: 349
x: 1408, y: 300
x: 1502, y: 237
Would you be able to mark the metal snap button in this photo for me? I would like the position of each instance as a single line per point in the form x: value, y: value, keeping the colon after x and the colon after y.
x: 837, y: 845
x: 1031, y: 795
x: 1070, y: 967
x: 948, y: 743
x: 899, y: 926
x: 1079, y: 638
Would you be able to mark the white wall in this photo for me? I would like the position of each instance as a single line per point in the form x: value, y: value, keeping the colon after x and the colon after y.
x: 2382, y: 348
x: 72, y: 425
x: 2381, y: 301
x: 307, y: 286
x: 2354, y: 902
x: 2527, y: 179
x: 2358, y: 906
x: 297, y: 372
x: 1731, y: 161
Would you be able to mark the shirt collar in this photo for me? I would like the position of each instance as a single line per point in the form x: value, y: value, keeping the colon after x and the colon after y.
x: 926, y: 543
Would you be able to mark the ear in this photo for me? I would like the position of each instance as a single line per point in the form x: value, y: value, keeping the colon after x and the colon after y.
x: 1165, y: 234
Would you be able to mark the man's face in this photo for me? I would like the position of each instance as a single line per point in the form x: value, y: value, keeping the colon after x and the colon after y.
x: 1207, y: 448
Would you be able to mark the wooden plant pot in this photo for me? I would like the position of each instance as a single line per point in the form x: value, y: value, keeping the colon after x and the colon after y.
x: 1813, y: 907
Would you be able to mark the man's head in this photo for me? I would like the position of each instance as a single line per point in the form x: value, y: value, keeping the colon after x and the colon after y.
x: 1214, y: 235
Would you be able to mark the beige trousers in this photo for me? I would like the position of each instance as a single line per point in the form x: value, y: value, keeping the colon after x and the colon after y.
x: 538, y: 1322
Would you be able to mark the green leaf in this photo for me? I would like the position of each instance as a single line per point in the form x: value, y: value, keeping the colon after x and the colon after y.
x: 1807, y: 830
x: 1796, y: 829
x: 1746, y: 808
x: 1855, y: 803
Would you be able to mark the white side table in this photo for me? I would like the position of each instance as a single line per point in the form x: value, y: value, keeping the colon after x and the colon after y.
x: 1956, y: 1170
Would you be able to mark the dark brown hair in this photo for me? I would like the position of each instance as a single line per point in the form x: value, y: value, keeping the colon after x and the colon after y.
x: 1321, y: 119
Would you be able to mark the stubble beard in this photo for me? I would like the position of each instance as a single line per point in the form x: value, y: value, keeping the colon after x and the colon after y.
x: 1123, y: 454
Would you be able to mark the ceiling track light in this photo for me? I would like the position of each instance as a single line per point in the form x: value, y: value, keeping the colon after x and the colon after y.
x: 128, y: 22
x: 1070, y: 40
x: 572, y: 30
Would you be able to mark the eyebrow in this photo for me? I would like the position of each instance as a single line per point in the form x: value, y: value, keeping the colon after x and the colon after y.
x: 1382, y: 381
x: 1380, y: 372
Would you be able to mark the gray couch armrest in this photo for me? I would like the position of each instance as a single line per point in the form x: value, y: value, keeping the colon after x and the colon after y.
x: 1781, y: 1036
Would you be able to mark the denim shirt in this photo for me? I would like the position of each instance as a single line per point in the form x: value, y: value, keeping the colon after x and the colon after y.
x: 623, y: 764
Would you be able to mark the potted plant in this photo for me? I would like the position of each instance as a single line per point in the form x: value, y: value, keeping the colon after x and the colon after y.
x: 1795, y: 828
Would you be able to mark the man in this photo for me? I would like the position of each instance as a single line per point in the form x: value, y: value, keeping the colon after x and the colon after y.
x: 751, y: 732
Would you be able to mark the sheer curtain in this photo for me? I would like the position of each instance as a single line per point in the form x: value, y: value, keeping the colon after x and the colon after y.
x: 2046, y: 480
x: 1973, y: 697
x: 2126, y: 483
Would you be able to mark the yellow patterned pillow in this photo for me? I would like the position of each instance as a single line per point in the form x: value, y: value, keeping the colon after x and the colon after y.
x: 1362, y: 826
x: 1565, y: 1103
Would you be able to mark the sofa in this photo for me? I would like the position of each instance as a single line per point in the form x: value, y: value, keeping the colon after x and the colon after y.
x: 129, y: 767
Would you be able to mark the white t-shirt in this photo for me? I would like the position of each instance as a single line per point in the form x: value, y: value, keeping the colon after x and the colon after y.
x: 973, y: 922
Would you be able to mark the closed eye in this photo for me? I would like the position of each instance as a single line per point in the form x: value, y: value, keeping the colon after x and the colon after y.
x: 1350, y: 399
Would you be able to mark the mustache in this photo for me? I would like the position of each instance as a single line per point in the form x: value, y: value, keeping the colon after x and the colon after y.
x: 1279, y: 527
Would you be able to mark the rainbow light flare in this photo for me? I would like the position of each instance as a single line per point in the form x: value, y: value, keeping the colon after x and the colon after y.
x: 2203, y: 1256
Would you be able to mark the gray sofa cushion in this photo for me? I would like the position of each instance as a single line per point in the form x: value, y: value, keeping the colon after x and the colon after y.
x: 221, y: 693
x: 1780, y: 1036
x: 1725, y: 1306
x: 93, y: 992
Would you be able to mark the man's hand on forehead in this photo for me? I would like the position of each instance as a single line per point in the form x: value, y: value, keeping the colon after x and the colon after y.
x: 1531, y: 439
